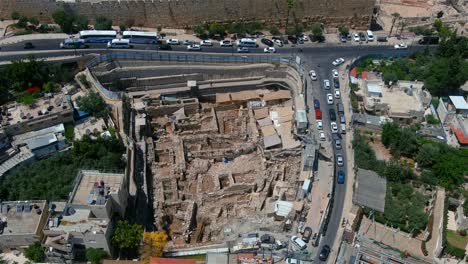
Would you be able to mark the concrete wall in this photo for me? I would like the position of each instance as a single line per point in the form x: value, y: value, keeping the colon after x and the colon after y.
x: 182, y: 13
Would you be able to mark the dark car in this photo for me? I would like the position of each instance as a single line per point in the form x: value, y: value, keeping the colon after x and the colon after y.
x: 336, y: 83
x: 332, y: 114
x: 267, y: 42
x: 362, y: 36
x: 165, y: 47
x: 429, y: 40
x: 307, y: 234
x: 343, y: 38
x: 382, y: 39
x: 252, y: 235
x: 293, y: 39
x: 316, y: 104
x: 341, y: 177
x: 324, y: 253
x: 28, y: 45
x: 267, y: 239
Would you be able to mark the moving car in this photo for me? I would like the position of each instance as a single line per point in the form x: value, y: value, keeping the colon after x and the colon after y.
x: 172, y: 41
x: 269, y: 50
x: 307, y: 234
x: 225, y: 43
x: 337, y: 94
x: 188, y: 42
x: 194, y: 47
x: 332, y: 114
x: 326, y: 84
x: 322, y: 136
x: 339, y: 160
x: 335, y: 73
x: 356, y: 37
x: 243, y: 50
x: 334, y: 127
x: 313, y: 75
x: 324, y: 253
x: 165, y: 47
x: 343, y: 128
x: 28, y: 45
x: 338, y: 61
x: 329, y: 99
x: 298, y: 242
x: 267, y: 42
x: 338, y: 143
x: 401, y: 46
x: 316, y: 104
x: 206, y: 42
x: 319, y: 125
x: 340, y: 177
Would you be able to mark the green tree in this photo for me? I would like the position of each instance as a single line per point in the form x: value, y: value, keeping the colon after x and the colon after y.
x: 35, y: 252
x: 22, y: 22
x: 158, y: 28
x: 199, y: 30
x: 427, y: 154
x: 50, y: 87
x: 80, y: 22
x: 122, y: 27
x: 95, y: 255
x: 34, y: 21
x: 127, y: 236
x: 216, y: 29
x: 317, y: 32
x: 103, y: 23
x: 64, y: 20
x: 237, y: 28
x: 390, y: 133
x: 253, y: 27
x: 274, y: 31
x: 290, y: 4
x: 93, y: 104
x: 344, y: 30
x: 15, y: 15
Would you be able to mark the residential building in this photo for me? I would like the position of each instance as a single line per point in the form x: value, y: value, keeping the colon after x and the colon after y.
x: 369, y: 122
x: 43, y: 142
x: 21, y: 223
x: 453, y: 113
x: 60, y: 249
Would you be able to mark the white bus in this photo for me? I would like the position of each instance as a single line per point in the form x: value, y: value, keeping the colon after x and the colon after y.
x: 141, y: 37
x: 119, y: 44
x: 247, y: 42
x: 98, y: 36
x: 72, y: 43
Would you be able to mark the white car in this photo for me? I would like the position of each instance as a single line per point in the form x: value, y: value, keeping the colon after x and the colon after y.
x: 356, y: 37
x: 343, y: 128
x: 278, y: 42
x: 401, y: 46
x: 337, y: 94
x: 339, y: 160
x: 313, y: 75
x: 319, y: 125
x: 172, y: 42
x: 226, y: 43
x: 335, y: 73
x: 330, y: 99
x: 188, y: 42
x: 269, y: 50
x: 322, y: 136
x: 334, y: 127
x: 338, y: 61
x: 326, y: 84
x: 206, y: 42
x: 194, y: 47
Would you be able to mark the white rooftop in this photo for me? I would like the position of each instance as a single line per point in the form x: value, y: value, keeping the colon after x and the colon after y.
x: 459, y: 102
x: 373, y: 87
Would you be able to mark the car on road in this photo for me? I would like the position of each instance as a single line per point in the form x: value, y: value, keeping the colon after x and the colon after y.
x: 332, y: 114
x: 338, y: 61
x: 334, y: 127
x: 318, y: 114
x: 329, y: 99
x: 226, y: 43
x: 340, y: 177
x: 172, y: 41
x: 316, y: 104
x: 313, y: 75
x: 356, y: 37
x: 267, y: 42
x: 322, y: 136
x: 339, y: 160
x: 319, y: 125
x: 343, y: 128
x: 401, y: 46
x: 188, y: 42
x: 337, y: 94
x: 206, y: 42
x: 335, y: 73
x: 324, y: 253
x: 28, y: 45
x: 165, y: 47
x: 194, y: 47
x: 269, y: 50
x: 342, y: 119
x: 338, y: 143
x: 298, y: 242
x: 336, y: 83
x: 278, y: 42
x: 307, y: 234
x: 326, y: 84
x: 243, y: 50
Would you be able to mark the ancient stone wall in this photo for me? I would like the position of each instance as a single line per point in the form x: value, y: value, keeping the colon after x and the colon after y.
x: 184, y: 13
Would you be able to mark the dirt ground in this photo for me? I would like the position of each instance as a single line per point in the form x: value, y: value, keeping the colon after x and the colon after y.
x: 381, y: 151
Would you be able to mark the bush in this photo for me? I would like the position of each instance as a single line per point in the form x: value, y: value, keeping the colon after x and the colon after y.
x: 15, y: 15
x: 22, y: 22
x: 35, y: 252
x: 103, y: 23
x: 95, y: 255
x: 122, y: 27
x: 83, y: 80
x: 274, y: 31
x: 70, y: 132
x: 431, y: 119
x: 34, y: 21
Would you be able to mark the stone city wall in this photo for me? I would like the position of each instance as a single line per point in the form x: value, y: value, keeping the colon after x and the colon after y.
x: 186, y: 13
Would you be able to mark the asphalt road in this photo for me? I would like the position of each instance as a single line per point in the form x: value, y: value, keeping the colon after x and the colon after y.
x: 317, y: 57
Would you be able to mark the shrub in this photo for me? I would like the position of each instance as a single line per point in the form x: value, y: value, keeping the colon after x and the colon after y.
x: 15, y: 15
x: 35, y: 252
x: 274, y: 31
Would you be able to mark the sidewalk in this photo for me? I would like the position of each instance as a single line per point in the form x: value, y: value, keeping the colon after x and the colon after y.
x: 436, y: 240
x: 16, y: 39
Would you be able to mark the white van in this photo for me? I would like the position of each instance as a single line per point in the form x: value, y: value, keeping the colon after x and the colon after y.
x: 370, y: 35
x: 298, y: 242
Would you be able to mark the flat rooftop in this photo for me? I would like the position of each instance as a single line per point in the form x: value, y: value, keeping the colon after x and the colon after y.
x: 77, y: 220
x: 89, y: 187
x: 21, y: 217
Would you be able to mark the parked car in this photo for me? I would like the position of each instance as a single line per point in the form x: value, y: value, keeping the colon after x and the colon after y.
x: 340, y: 177
x: 335, y: 73
x: 336, y: 83
x: 225, y: 43
x: 356, y: 37
x: 382, y: 39
x: 194, y: 47
x: 338, y: 143
x: 429, y: 40
x: 322, y: 136
x: 343, y: 128
x: 338, y: 61
x: 278, y: 42
x: 329, y: 99
x: 28, y: 45
x: 293, y: 39
x: 339, y: 160
x: 269, y: 50
x: 334, y: 127
x: 362, y: 36
x: 243, y: 50
x: 343, y: 38
x: 280, y: 245
x: 332, y: 114
x: 319, y: 125
x: 313, y: 75
x: 326, y: 84
x: 267, y: 42
x: 324, y: 253
x: 318, y: 114
x: 188, y: 42
x: 337, y: 94
x: 316, y: 104
x: 298, y: 242
x: 206, y: 42
x: 307, y: 234
x: 401, y: 46
x: 267, y: 239
x: 342, y: 119
x: 172, y: 41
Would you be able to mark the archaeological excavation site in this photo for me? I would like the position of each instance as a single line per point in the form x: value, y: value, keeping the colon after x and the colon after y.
x: 219, y: 144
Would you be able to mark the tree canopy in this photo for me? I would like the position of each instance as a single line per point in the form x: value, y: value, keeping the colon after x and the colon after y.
x: 95, y: 255
x: 70, y: 22
x: 127, y: 236
x: 93, y: 104
x: 35, y: 252
x: 103, y: 23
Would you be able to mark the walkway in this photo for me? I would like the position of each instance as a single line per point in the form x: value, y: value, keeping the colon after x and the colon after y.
x: 432, y: 244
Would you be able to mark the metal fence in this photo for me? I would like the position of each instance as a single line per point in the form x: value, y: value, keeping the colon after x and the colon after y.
x: 189, y: 57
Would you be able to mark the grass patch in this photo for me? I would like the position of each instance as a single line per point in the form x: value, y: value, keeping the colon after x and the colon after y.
x: 456, y: 239
x: 201, y: 257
